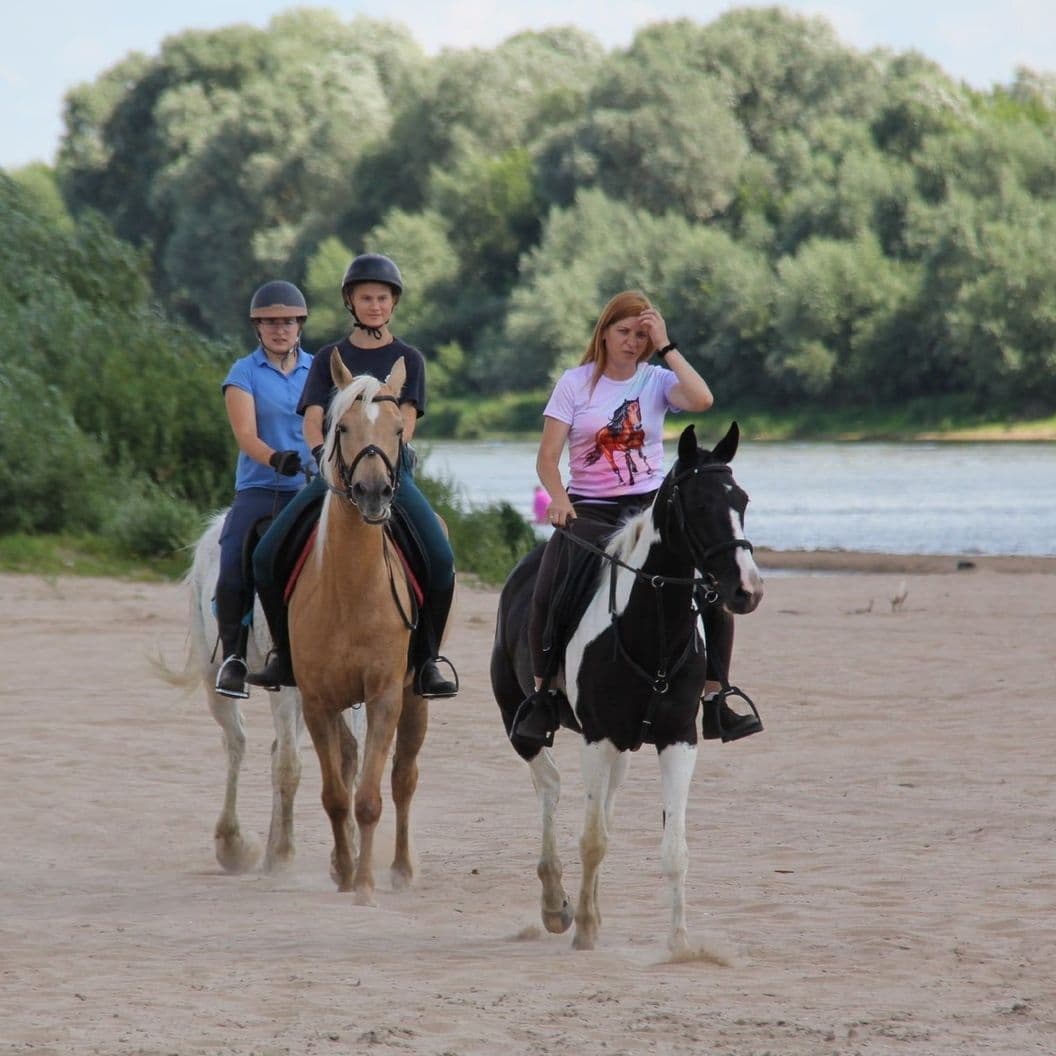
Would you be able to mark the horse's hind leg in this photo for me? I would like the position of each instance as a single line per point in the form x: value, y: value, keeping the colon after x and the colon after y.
x: 557, y: 908
x: 600, y: 771
x: 285, y: 777
x: 234, y: 852
x: 410, y: 735
x: 677, y: 762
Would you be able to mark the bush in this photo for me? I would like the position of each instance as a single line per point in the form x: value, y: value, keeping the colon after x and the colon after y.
x: 151, y: 523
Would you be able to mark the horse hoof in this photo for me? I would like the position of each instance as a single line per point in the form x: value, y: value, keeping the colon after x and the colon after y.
x: 400, y: 879
x: 557, y: 922
x: 235, y: 854
x: 583, y: 940
x: 364, y: 898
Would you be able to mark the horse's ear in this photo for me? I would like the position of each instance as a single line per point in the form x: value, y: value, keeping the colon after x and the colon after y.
x: 687, y: 446
x: 726, y: 448
x: 397, y: 376
x: 338, y: 371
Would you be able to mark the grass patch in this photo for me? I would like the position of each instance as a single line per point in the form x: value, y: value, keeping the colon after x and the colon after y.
x: 85, y: 555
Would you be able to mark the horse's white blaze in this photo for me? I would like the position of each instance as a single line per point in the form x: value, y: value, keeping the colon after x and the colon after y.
x: 677, y: 763
x: 630, y: 545
x: 751, y: 581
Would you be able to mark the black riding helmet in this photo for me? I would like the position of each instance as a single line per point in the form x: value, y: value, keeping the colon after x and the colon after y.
x: 371, y: 267
x: 278, y: 299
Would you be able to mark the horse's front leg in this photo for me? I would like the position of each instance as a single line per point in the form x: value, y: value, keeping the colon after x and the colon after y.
x: 382, y: 715
x: 677, y: 762
x: 556, y: 906
x: 285, y: 777
x: 600, y: 771
x: 235, y: 853
x: 630, y: 465
x: 410, y: 736
x: 324, y: 722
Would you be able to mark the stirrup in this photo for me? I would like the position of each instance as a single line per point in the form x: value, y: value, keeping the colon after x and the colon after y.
x: 445, y: 688
x: 231, y: 682
x: 735, y: 726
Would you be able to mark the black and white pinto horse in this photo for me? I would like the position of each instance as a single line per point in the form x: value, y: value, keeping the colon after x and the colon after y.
x: 634, y: 668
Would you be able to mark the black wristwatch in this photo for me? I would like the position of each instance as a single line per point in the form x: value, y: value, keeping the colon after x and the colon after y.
x: 662, y: 352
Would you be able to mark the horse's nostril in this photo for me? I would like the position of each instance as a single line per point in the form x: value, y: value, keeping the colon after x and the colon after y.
x: 386, y: 492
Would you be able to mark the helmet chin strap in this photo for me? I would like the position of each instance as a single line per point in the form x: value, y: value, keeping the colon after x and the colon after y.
x: 374, y: 331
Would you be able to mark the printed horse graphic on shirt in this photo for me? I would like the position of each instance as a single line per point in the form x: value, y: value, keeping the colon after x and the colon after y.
x: 622, y: 435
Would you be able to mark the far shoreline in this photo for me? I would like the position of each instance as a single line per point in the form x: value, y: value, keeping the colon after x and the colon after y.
x: 905, y: 564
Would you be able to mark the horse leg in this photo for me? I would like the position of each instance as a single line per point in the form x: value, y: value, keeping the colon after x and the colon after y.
x: 323, y: 724
x: 556, y: 906
x: 600, y: 767
x: 234, y: 852
x: 619, y: 770
x: 285, y: 777
x: 382, y: 716
x: 677, y: 762
x: 351, y: 737
x: 410, y: 735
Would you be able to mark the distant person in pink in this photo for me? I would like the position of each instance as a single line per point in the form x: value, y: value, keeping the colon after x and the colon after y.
x: 541, y: 504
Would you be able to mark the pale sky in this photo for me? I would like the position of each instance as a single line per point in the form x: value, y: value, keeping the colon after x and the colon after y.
x: 51, y: 45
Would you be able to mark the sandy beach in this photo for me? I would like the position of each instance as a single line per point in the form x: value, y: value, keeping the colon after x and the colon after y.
x: 875, y: 873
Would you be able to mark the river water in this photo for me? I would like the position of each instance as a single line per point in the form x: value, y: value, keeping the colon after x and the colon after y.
x: 906, y: 498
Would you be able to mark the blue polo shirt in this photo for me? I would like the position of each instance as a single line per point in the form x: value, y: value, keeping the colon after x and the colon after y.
x: 275, y: 397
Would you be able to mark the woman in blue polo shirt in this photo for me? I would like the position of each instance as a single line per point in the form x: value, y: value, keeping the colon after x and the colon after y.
x: 261, y: 393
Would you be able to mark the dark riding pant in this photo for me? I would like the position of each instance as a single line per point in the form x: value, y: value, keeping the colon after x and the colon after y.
x: 250, y: 505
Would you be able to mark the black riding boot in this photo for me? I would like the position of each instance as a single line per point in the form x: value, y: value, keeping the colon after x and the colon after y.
x: 536, y: 720
x: 719, y: 720
x: 234, y: 634
x: 429, y: 681
x: 278, y: 671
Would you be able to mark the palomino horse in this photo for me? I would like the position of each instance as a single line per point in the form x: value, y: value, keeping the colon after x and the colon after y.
x: 237, y: 852
x: 634, y: 667
x: 622, y: 434
x: 351, y: 614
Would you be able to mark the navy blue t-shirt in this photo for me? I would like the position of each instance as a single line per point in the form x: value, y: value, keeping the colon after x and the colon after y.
x: 319, y: 389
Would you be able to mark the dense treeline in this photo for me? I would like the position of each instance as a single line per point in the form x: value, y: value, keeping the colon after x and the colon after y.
x: 821, y: 225
x: 112, y: 428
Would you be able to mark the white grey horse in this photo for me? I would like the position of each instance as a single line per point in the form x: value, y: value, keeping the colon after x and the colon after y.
x: 236, y: 851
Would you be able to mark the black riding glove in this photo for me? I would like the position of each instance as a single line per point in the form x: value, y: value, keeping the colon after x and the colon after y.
x: 288, y: 463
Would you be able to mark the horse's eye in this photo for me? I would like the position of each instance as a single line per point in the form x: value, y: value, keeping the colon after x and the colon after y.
x: 340, y: 428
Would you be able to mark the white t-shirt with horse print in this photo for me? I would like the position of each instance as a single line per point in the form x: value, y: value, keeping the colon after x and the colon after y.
x: 615, y: 435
